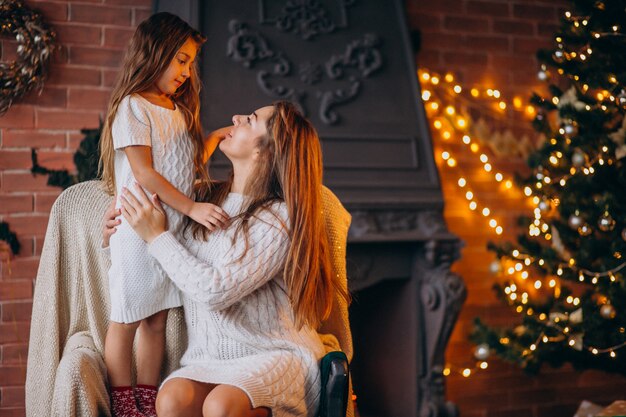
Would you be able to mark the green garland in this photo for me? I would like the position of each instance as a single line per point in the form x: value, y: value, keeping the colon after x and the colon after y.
x: 35, y: 43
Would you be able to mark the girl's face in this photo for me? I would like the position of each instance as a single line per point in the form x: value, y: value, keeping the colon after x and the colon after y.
x: 242, y: 140
x: 179, y: 69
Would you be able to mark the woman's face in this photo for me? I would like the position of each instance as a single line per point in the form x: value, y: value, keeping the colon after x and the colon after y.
x: 179, y: 69
x: 240, y: 144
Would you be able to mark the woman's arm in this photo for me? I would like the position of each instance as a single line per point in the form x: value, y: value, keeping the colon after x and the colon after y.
x: 140, y: 159
x: 227, y: 280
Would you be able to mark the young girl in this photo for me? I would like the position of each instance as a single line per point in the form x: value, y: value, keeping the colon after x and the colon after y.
x: 152, y: 136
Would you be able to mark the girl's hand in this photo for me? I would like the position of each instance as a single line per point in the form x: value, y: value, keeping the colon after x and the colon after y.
x: 209, y: 215
x: 212, y: 140
x: 109, y: 223
x: 145, y: 215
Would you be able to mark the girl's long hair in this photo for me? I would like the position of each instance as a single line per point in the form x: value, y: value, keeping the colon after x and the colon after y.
x: 150, y: 51
x: 290, y: 170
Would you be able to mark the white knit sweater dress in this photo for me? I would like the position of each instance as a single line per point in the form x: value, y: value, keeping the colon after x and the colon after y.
x: 239, y: 320
x: 138, y: 286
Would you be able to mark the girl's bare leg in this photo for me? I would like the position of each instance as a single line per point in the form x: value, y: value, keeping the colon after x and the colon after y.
x: 151, y: 348
x: 118, y: 349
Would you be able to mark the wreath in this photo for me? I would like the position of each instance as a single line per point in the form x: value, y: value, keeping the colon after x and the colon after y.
x: 35, y: 43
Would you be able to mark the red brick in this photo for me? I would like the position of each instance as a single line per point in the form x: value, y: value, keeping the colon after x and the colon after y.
x: 536, y: 12
x: 487, y: 43
x: 23, y: 182
x: 51, y: 11
x: 84, y: 98
x: 488, y: 8
x: 139, y: 15
x: 56, y: 160
x: 12, y: 411
x: 119, y: 37
x: 22, y: 268
x: 547, y: 29
x: 44, y: 201
x: 28, y: 224
x: 67, y: 75
x: 11, y: 375
x: 443, y: 6
x: 109, y: 77
x: 32, y: 139
x: 14, y: 353
x: 134, y: 3
x: 12, y: 396
x: 89, y: 13
x: 436, y: 40
x: 428, y: 59
x: 16, y: 311
x: 425, y: 21
x: 16, y: 203
x: 18, y: 116
x: 466, y: 24
x: 465, y: 58
x: 15, y: 160
x: 12, y: 333
x: 73, y: 120
x: 514, y: 27
x: 37, y: 247
x: 530, y: 46
x: 71, y: 34
x: 96, y: 56
x: 16, y: 290
x: 9, y: 50
x: 513, y: 62
x: 510, y: 412
x: 60, y: 55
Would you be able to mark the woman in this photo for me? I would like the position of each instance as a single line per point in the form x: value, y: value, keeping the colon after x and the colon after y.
x: 255, y: 292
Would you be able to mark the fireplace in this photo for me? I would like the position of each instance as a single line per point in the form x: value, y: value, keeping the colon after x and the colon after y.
x: 349, y: 65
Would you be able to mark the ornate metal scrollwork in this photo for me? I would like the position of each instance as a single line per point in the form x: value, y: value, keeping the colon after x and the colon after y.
x: 442, y: 294
x: 428, y: 223
x: 306, y: 18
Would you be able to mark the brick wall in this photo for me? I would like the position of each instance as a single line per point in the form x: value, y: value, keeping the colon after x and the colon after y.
x: 492, y: 44
x: 489, y: 43
x: 93, y: 35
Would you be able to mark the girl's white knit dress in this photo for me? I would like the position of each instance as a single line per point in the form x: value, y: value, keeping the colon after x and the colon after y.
x: 239, y: 319
x: 138, y: 285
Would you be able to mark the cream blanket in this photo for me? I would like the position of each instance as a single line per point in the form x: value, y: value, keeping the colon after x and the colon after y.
x: 65, y: 373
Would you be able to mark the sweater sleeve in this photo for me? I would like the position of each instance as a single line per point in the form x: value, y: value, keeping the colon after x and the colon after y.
x: 131, y: 125
x: 231, y: 278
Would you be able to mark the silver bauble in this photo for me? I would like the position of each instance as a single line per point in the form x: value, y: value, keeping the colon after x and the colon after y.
x: 481, y: 352
x: 575, y: 221
x: 607, y: 311
x: 585, y: 230
x: 495, y: 266
x: 606, y: 223
x: 569, y: 129
x: 578, y: 158
x: 558, y: 55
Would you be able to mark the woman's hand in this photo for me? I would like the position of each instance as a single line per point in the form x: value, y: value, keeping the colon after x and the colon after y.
x: 109, y: 223
x: 145, y: 215
x: 209, y: 215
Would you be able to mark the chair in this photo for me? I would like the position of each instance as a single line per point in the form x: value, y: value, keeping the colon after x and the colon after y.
x: 66, y: 375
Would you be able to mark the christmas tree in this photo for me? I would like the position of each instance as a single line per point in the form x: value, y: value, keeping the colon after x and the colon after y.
x: 566, y: 275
